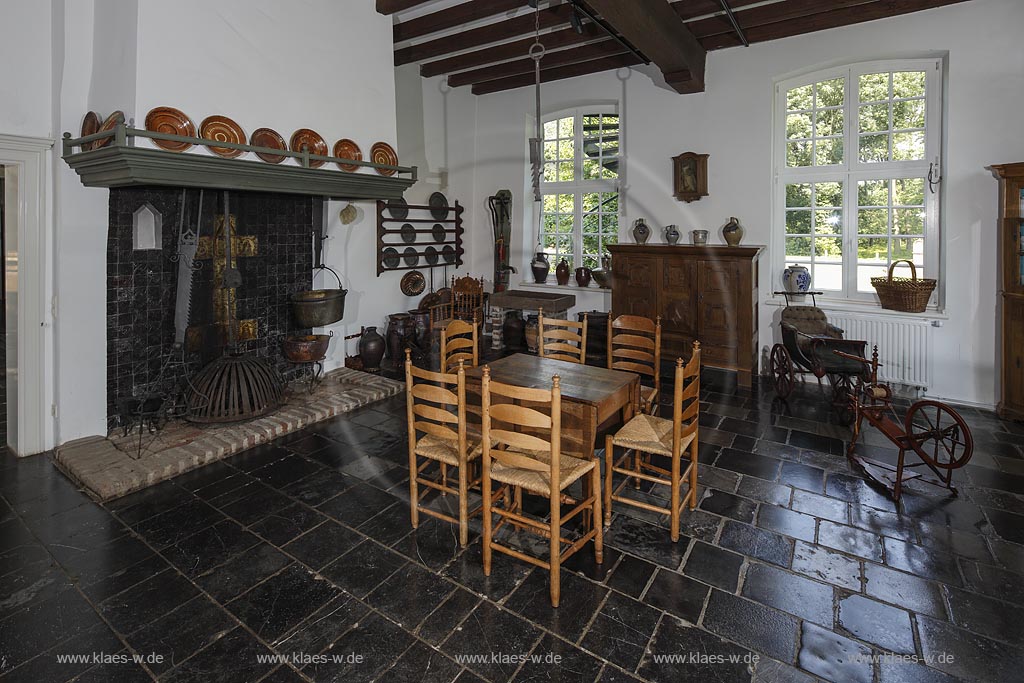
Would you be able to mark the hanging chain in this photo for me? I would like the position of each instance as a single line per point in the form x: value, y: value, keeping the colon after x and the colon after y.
x: 536, y: 53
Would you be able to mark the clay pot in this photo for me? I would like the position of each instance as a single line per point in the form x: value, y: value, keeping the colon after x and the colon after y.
x: 641, y: 232
x: 399, y: 325
x: 371, y: 349
x: 421, y: 323
x: 671, y: 234
x: 732, y: 232
x: 583, y: 276
x: 603, y: 275
x: 562, y: 272
x: 541, y: 266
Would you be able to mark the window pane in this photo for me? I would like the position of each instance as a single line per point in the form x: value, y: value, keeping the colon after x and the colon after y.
x: 864, y: 275
x: 828, y: 194
x: 798, y: 154
x: 909, y: 249
x: 909, y: 191
x: 873, y: 250
x: 827, y: 277
x: 798, y: 248
x: 908, y: 221
x: 800, y: 98
x: 874, y: 118
x: 550, y: 203
x: 610, y: 202
x: 908, y: 84
x: 909, y: 114
x: 873, y: 193
x: 565, y: 127
x: 908, y: 146
x: 550, y: 173
x: 828, y: 249
x: 591, y: 169
x: 873, y: 221
x: 828, y: 122
x: 829, y: 93
x: 828, y: 222
x: 798, y: 194
x: 591, y: 200
x: 798, y: 222
x: 550, y: 151
x: 566, y: 203
x: 551, y: 130
x: 828, y: 152
x: 874, y: 87
x: 798, y: 125
x: 874, y: 148
x: 591, y: 223
x: 565, y: 171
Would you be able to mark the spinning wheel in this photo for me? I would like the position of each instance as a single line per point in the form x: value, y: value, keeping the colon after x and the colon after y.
x: 939, y: 435
x: 842, y: 391
x: 782, y: 371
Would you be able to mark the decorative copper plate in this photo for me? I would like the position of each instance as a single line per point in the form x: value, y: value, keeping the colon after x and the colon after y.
x: 383, y: 153
x: 90, y: 125
x: 444, y: 295
x: 170, y: 121
x: 268, y: 137
x: 413, y: 283
x: 438, y: 232
x: 438, y: 206
x: 346, y: 149
x: 305, y: 138
x: 429, y: 300
x: 431, y: 256
x: 109, y: 124
x: 222, y: 129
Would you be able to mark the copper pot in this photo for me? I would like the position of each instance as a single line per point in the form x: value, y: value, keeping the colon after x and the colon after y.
x: 306, y: 348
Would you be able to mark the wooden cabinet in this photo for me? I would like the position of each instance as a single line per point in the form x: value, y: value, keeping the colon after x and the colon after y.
x: 704, y: 293
x: 1011, y: 290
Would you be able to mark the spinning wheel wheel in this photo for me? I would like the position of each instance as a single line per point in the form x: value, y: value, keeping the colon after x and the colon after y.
x: 939, y: 435
x: 781, y: 366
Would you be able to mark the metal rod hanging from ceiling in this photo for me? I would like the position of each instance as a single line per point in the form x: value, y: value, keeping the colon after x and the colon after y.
x: 578, y: 7
x: 735, y: 24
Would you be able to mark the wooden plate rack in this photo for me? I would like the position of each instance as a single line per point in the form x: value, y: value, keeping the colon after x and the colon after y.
x: 389, y: 234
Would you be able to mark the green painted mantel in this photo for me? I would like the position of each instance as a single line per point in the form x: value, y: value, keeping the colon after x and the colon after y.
x: 121, y: 164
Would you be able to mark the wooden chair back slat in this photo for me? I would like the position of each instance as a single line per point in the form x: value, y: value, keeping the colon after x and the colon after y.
x: 506, y: 424
x: 436, y: 429
x: 434, y: 394
x: 518, y: 440
x: 634, y: 345
x: 460, y: 342
x: 623, y: 340
x: 434, y: 414
x: 518, y: 415
x: 686, y: 398
x: 562, y: 339
x: 639, y: 368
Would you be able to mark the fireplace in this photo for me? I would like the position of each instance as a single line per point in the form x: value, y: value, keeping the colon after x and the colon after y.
x: 271, y: 244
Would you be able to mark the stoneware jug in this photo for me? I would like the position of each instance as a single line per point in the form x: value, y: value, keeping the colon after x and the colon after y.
x: 562, y: 272
x: 796, y: 279
x: 733, y: 232
x: 641, y: 233
x: 541, y: 266
x: 583, y: 277
x: 671, y: 234
x: 371, y: 349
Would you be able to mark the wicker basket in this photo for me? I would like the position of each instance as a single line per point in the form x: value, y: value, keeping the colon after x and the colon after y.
x: 908, y: 294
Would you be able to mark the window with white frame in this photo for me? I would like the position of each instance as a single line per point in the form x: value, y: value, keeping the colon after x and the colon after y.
x: 580, y: 185
x: 855, y: 149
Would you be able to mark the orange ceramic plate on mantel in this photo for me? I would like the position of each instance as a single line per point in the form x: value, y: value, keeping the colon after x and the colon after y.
x: 90, y: 125
x: 111, y: 123
x: 347, y: 149
x: 222, y: 129
x: 308, y: 139
x: 170, y: 121
x: 268, y: 137
x: 383, y: 153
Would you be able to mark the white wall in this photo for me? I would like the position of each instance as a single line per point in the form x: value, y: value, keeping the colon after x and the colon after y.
x: 732, y: 121
x: 25, y: 96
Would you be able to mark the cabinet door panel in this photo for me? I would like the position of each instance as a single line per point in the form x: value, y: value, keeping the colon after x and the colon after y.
x: 718, y: 307
x: 635, y: 288
x: 679, y: 291
x: 1013, y: 352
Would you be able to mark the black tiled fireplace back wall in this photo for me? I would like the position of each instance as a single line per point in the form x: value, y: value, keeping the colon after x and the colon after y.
x: 142, y: 284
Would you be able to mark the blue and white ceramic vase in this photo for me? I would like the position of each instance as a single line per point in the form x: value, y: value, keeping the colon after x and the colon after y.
x: 796, y: 279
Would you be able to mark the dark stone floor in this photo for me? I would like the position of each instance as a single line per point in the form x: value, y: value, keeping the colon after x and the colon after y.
x: 304, y: 547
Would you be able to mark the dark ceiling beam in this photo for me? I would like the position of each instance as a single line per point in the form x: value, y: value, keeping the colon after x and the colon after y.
x: 691, y: 9
x: 392, y: 6
x: 583, y: 53
x: 491, y: 33
x: 879, y: 9
x: 453, y: 16
x: 558, y: 73
x: 506, y: 51
x: 766, y: 14
x: 659, y: 33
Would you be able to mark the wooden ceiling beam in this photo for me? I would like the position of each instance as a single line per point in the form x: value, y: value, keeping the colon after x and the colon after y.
x: 878, y: 9
x: 550, y: 17
x: 506, y: 51
x: 392, y: 6
x: 453, y: 16
x: 691, y: 9
x: 583, y: 53
x: 765, y: 14
x: 659, y: 33
x: 558, y: 73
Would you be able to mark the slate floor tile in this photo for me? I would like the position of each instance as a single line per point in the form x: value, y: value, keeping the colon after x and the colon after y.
x: 850, y: 540
x: 489, y: 630
x: 440, y: 623
x: 786, y: 522
x: 357, y: 504
x: 376, y: 641
x: 146, y: 601
x: 986, y: 616
x: 169, y: 527
x: 968, y: 656
x: 752, y: 625
x: 324, y: 626
x: 621, y: 631
x: 754, y: 464
x: 921, y: 561
x: 323, y: 544
x: 834, y: 657
x: 887, y: 627
x: 713, y: 565
x: 904, y: 590
x: 578, y: 602
x: 285, y: 524
x: 803, y: 476
x: 826, y: 565
x: 676, y: 594
x: 45, y: 624
x: 820, y: 506
x: 242, y: 572
x: 631, y: 575
x: 179, y: 634
x: 764, y: 491
x: 729, y: 505
x: 758, y: 543
x: 423, y: 664
x: 647, y: 541
x: 361, y: 569
x: 234, y: 657
x: 210, y: 547
x: 409, y: 595
x: 789, y: 592
x: 280, y: 603
x: 573, y: 664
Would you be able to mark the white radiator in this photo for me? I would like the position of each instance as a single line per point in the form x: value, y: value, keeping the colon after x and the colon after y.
x: 904, y: 344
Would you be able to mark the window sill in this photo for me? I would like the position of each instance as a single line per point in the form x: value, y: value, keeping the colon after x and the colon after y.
x: 590, y: 289
x: 865, y: 307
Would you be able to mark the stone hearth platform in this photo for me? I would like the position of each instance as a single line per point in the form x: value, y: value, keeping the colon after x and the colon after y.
x: 112, y: 467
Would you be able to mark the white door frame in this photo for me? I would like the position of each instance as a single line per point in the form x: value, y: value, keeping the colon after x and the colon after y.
x: 29, y: 274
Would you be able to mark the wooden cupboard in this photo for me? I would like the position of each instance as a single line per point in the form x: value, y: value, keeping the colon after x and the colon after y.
x: 706, y: 293
x: 1010, y: 359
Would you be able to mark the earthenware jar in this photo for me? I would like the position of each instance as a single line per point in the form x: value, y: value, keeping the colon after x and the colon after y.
x: 733, y: 232
x: 540, y: 267
x: 562, y: 272
x: 421, y: 323
x: 796, y: 279
x: 671, y: 234
x: 700, y: 237
x: 371, y: 349
x: 641, y: 233
x: 400, y: 325
x: 603, y: 275
x: 583, y: 277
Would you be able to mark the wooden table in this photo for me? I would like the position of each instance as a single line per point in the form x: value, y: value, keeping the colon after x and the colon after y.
x: 592, y: 397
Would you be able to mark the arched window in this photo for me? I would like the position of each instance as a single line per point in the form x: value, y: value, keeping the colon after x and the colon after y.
x: 855, y: 147
x: 580, y: 185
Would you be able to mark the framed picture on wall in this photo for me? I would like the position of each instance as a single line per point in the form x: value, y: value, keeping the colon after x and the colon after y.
x: 690, y: 176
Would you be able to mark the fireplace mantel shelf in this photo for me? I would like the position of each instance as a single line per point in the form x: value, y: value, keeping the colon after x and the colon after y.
x: 121, y: 164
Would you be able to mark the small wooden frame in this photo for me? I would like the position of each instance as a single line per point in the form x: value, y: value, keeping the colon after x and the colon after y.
x: 690, y: 176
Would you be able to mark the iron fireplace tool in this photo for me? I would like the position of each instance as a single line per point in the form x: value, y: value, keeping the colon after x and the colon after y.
x: 501, y: 220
